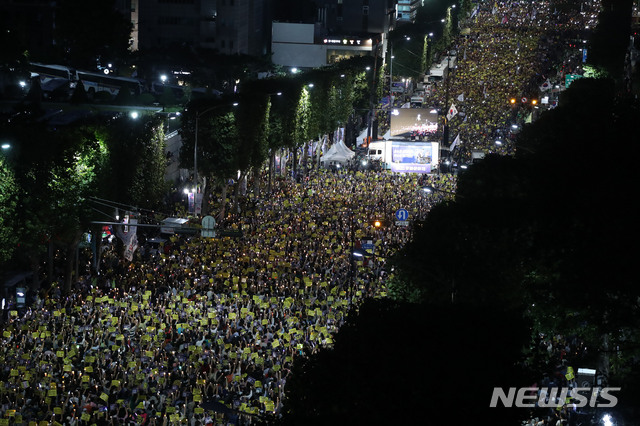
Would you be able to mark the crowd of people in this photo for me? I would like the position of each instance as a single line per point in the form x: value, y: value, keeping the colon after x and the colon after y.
x: 207, y: 329
x: 512, y: 49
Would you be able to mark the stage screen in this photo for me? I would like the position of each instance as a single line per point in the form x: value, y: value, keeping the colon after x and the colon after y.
x: 407, y: 157
x: 419, y: 123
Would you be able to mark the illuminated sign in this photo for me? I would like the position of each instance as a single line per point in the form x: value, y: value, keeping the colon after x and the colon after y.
x: 413, y: 123
x: 347, y: 41
x: 411, y: 157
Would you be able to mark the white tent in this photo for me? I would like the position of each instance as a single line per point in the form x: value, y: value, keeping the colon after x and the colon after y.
x: 337, y: 154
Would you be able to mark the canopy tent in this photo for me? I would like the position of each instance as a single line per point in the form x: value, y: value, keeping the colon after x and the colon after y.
x: 337, y: 154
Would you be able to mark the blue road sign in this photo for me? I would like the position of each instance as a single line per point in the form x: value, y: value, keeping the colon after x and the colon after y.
x: 402, y: 214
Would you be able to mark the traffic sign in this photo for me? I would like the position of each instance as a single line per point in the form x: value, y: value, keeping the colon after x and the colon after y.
x: 402, y: 223
x: 402, y: 214
x: 569, y: 78
x: 208, y: 225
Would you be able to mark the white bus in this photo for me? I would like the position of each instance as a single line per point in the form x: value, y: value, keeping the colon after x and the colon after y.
x: 95, y: 82
x: 47, y: 73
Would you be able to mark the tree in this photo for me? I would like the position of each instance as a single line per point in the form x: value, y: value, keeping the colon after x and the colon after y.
x: 610, y: 40
x: 544, y: 232
x: 399, y: 363
x: 217, y: 144
x: 302, y: 126
x: 9, y: 193
x: 253, y: 131
x: 55, y: 172
x: 134, y: 172
x: 71, y: 183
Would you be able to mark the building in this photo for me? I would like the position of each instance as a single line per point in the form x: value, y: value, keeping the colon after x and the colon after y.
x: 407, y: 10
x: 307, y: 46
x: 357, y: 16
x: 228, y: 26
x: 342, y: 29
x: 28, y: 23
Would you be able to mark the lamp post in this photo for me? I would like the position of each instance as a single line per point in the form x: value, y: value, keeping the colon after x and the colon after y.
x: 430, y: 189
x: 373, y: 92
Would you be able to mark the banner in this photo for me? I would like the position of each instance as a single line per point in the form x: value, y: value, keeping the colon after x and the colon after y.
x: 452, y: 112
x: 455, y: 143
x: 411, y: 157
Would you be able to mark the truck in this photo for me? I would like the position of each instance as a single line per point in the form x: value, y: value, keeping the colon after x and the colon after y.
x: 417, y: 100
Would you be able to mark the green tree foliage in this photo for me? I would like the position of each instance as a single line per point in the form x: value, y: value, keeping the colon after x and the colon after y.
x: 302, y: 125
x: 609, y: 42
x: 168, y: 97
x: 252, y: 117
x: 8, y: 211
x: 134, y: 173
x: 217, y: 140
x: 55, y: 172
x: 394, y: 363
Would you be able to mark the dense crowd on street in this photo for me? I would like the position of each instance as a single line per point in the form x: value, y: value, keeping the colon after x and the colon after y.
x: 209, y: 320
x: 206, y: 330
x: 512, y: 50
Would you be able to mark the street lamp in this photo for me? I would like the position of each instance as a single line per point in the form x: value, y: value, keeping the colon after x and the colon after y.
x: 428, y: 189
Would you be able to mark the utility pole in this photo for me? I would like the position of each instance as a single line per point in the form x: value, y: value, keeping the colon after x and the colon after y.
x: 373, y: 93
x: 390, y: 71
x: 445, y: 131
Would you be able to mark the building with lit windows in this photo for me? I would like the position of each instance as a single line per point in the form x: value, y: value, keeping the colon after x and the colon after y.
x: 407, y: 10
x: 341, y: 29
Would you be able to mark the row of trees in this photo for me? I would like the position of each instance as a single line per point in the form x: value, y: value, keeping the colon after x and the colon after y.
x: 51, y: 174
x: 238, y: 136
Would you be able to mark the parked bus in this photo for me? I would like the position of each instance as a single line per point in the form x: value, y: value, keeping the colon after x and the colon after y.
x: 52, y: 72
x: 95, y: 82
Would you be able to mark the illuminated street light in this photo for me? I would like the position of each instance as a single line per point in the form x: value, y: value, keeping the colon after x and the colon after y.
x: 6, y: 146
x: 430, y: 190
x: 133, y: 114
